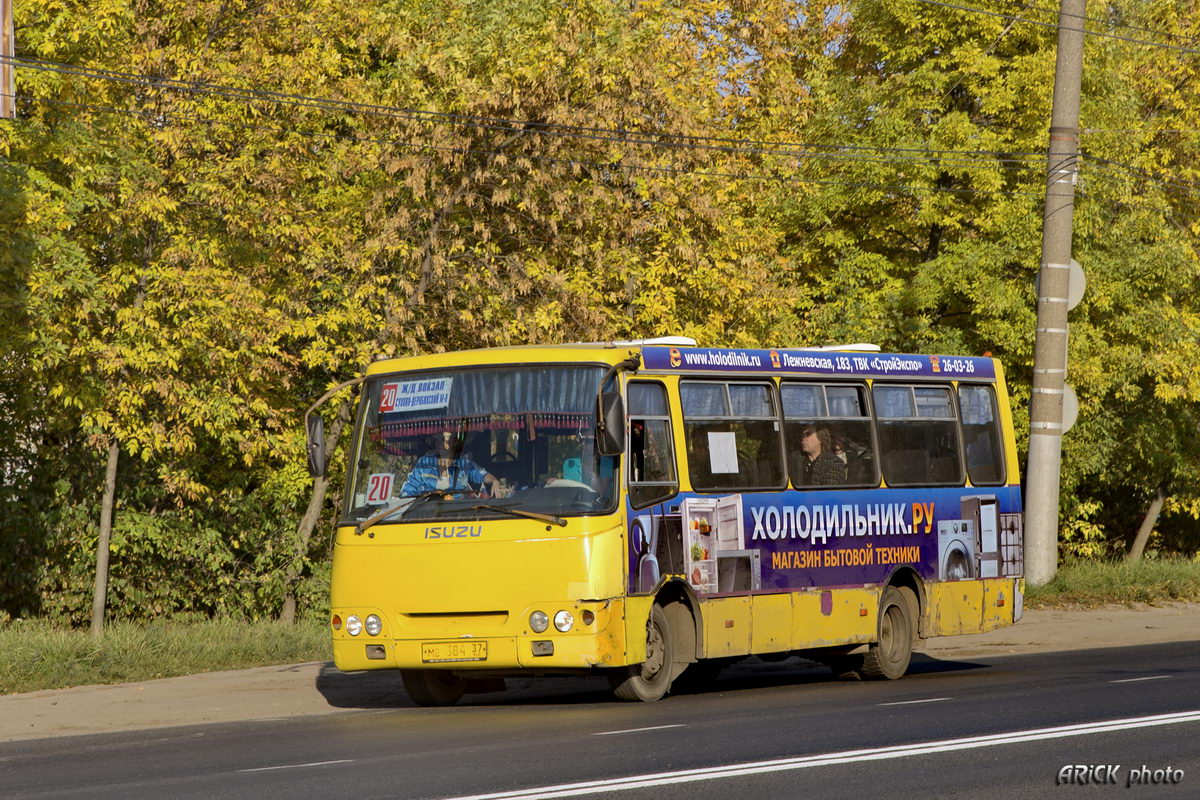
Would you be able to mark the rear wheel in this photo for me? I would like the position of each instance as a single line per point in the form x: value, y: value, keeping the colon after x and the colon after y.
x: 887, y: 658
x: 649, y: 680
x: 432, y: 687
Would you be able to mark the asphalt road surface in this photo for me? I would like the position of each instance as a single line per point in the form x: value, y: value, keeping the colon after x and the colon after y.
x: 994, y: 727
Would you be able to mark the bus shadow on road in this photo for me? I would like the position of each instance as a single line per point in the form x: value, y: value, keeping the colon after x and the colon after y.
x: 368, y: 689
x: 383, y: 689
x: 923, y: 664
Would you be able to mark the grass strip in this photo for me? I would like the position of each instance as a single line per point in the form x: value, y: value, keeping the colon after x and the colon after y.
x: 1091, y: 584
x: 37, y: 654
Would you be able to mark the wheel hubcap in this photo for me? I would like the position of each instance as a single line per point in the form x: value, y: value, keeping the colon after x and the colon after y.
x: 889, y: 638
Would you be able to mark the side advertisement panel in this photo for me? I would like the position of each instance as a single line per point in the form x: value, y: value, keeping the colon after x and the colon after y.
x: 770, y: 542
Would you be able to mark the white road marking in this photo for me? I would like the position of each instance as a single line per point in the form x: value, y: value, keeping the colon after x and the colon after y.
x: 1134, y: 680
x: 297, y: 766
x: 845, y: 757
x: 913, y: 702
x: 638, y: 730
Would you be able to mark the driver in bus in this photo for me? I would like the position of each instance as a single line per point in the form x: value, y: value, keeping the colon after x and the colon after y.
x: 442, y: 469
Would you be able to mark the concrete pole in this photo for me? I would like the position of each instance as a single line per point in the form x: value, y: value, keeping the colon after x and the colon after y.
x: 1050, y: 349
x: 8, y: 49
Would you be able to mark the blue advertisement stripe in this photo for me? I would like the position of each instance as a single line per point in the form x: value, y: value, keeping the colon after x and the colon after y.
x: 818, y: 362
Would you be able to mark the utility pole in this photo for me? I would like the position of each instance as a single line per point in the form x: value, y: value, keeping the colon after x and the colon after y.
x: 8, y: 49
x: 1050, y: 349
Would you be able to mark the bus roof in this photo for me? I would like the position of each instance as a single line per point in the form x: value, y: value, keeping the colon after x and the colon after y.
x: 664, y: 355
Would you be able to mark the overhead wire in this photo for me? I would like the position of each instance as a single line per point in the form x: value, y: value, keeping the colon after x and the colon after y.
x: 1055, y: 25
x: 1110, y: 23
x: 542, y: 128
x: 974, y: 159
x: 624, y: 166
x: 151, y: 117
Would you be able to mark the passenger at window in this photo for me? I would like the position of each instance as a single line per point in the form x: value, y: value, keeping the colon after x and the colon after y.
x: 839, y: 447
x: 820, y: 467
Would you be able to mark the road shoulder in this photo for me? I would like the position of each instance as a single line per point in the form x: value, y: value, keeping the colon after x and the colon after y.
x: 318, y: 688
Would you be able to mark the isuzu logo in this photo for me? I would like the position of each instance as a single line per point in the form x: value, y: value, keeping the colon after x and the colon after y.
x: 453, y: 531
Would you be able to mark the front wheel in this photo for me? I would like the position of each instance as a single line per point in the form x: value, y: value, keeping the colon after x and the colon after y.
x: 649, y: 680
x: 887, y: 659
x: 432, y: 687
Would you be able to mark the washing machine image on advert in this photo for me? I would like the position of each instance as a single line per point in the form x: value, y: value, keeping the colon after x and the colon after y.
x: 956, y: 549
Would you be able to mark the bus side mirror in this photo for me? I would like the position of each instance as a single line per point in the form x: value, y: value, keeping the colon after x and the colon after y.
x: 610, y: 434
x: 316, y: 445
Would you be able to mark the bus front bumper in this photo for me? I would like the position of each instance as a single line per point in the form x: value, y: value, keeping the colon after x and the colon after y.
x: 534, y: 651
x: 597, y: 639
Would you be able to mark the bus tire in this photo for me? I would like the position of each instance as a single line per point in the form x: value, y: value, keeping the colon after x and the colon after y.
x: 888, y: 657
x: 649, y: 680
x: 432, y: 687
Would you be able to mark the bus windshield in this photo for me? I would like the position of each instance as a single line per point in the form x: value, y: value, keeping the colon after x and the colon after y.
x: 480, y: 443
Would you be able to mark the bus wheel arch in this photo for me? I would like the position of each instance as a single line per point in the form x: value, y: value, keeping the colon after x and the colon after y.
x: 679, y: 600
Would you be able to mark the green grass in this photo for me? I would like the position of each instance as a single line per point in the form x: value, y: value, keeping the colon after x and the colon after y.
x: 1091, y: 584
x: 37, y: 655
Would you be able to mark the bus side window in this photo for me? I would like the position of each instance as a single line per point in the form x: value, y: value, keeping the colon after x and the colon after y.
x: 652, y: 474
x: 981, y: 433
x: 918, y: 435
x: 838, y: 413
x: 733, y: 435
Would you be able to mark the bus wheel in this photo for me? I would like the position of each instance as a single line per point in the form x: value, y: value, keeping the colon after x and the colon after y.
x: 432, y: 687
x: 887, y: 658
x: 649, y: 680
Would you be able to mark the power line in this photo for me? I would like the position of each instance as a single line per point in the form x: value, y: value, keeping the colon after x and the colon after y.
x: 598, y: 166
x: 1111, y: 24
x: 500, y: 124
x: 866, y: 154
x: 1055, y: 25
x: 151, y: 118
x: 160, y: 119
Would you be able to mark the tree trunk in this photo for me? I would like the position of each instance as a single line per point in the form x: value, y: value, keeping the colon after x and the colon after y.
x: 100, y: 590
x: 312, y: 515
x: 1148, y: 522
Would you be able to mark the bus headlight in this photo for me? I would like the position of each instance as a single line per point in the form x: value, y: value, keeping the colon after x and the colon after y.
x: 353, y: 625
x: 538, y: 621
x: 374, y: 625
x: 563, y: 621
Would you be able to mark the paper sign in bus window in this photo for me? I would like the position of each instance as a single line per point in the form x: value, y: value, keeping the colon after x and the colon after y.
x: 722, y: 451
x: 415, y: 395
x: 379, y: 487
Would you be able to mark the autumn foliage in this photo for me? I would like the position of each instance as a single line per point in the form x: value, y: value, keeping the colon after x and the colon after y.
x: 214, y: 211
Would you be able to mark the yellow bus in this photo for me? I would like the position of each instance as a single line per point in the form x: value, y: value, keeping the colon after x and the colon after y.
x: 647, y: 510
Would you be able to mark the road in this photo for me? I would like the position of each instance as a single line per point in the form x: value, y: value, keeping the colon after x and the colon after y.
x: 987, y: 727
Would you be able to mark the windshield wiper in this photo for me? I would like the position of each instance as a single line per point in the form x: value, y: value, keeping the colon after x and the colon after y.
x: 520, y: 512
x: 403, y: 504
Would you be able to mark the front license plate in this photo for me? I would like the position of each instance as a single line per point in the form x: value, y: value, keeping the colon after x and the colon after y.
x: 435, y: 652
